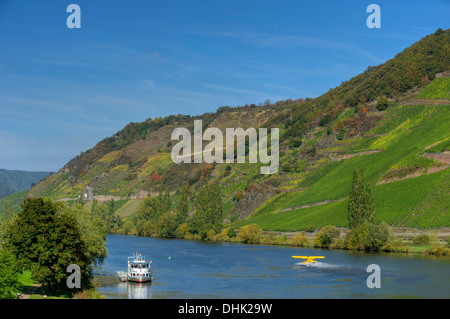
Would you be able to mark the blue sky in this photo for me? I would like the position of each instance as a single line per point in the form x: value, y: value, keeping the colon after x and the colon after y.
x: 62, y: 90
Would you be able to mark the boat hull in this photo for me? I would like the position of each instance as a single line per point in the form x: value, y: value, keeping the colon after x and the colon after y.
x: 137, y: 279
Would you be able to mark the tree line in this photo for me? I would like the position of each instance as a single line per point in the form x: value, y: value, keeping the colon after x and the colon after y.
x: 192, y: 216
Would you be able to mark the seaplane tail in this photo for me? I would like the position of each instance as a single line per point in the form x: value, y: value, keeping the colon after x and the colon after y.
x: 309, y: 259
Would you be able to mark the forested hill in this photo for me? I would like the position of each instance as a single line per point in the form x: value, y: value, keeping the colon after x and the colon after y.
x: 12, y: 181
x: 320, y: 140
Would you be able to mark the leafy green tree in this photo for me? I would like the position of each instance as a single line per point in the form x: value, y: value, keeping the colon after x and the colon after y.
x: 150, y: 209
x: 167, y: 225
x: 360, y: 211
x: 165, y: 202
x: 378, y: 236
x: 46, y: 237
x: 382, y: 103
x: 93, y: 230
x: 183, y: 207
x: 127, y: 227
x: 208, y: 208
x: 183, y: 204
x: 111, y: 207
x: 360, y: 205
x: 9, y: 275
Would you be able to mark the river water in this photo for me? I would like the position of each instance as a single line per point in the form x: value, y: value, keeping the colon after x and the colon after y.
x: 203, y: 270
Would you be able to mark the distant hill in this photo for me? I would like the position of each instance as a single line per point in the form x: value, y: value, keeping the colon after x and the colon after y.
x: 401, y: 143
x: 12, y: 181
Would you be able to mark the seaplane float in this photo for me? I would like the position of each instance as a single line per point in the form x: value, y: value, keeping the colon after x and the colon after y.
x: 308, y: 259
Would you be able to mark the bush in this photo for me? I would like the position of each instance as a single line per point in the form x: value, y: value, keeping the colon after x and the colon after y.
x: 226, y: 234
x: 356, y: 238
x: 231, y: 233
x: 310, y: 228
x: 88, y: 294
x: 250, y: 234
x: 378, y: 236
x: 438, y: 251
x: 211, y: 235
x: 340, y: 136
x: 422, y: 240
x: 300, y: 240
x: 326, y: 236
x: 382, y: 103
x: 268, y: 239
x: 280, y: 240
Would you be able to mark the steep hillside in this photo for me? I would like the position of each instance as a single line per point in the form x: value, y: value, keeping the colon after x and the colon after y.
x: 410, y: 184
x: 321, y: 141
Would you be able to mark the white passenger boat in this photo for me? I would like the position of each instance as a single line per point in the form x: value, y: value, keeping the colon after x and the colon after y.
x: 139, y: 269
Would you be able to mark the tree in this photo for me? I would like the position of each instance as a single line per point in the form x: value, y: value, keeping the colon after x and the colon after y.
x: 360, y: 211
x: 93, y: 230
x: 382, y: 103
x: 378, y: 236
x: 46, y: 237
x: 183, y: 206
x: 165, y: 202
x: 111, y: 207
x: 167, y: 225
x: 208, y: 208
x: 149, y: 209
x: 360, y: 205
x: 9, y: 275
x: 47, y: 240
x: 183, y: 230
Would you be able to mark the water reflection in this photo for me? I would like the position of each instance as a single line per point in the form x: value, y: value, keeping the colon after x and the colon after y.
x: 138, y: 290
x: 111, y: 286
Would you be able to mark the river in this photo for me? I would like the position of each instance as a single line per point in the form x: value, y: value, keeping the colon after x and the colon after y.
x: 204, y: 270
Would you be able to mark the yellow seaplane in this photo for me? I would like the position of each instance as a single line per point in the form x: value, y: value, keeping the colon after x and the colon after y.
x: 309, y: 259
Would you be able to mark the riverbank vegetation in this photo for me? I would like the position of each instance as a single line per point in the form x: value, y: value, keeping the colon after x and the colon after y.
x: 44, y: 238
x: 162, y: 217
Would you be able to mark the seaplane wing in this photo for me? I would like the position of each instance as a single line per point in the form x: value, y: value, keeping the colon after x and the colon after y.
x: 309, y: 259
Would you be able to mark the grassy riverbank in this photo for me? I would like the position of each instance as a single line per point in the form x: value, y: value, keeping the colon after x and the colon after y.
x: 31, y: 289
